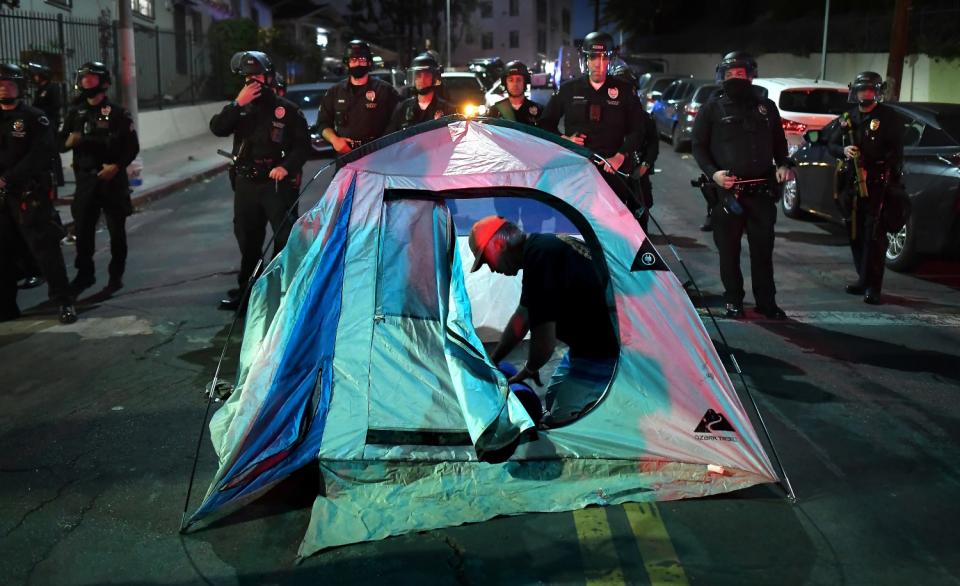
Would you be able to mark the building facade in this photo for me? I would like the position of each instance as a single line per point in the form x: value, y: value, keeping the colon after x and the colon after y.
x: 529, y: 30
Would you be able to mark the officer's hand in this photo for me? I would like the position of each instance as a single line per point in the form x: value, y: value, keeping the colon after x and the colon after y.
x: 278, y: 173
x: 3, y: 183
x: 642, y: 170
x: 614, y: 163
x: 108, y: 172
x: 577, y: 138
x: 724, y: 179
x: 72, y: 140
x: 851, y: 151
x: 784, y: 174
x: 249, y: 93
x: 341, y: 145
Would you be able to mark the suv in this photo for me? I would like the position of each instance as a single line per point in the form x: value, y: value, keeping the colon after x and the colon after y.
x: 804, y: 104
x: 670, y: 112
x: 651, y: 85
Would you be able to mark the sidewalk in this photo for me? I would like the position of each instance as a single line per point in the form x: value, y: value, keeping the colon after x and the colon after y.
x: 166, y: 169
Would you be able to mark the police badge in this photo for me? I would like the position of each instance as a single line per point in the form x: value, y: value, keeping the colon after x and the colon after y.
x: 762, y: 108
x: 105, y: 111
x: 533, y: 110
x: 875, y: 124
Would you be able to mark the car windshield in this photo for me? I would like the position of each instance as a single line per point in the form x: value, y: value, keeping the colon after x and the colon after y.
x: 306, y: 99
x: 950, y: 123
x: 813, y: 101
x: 463, y: 89
x: 661, y: 84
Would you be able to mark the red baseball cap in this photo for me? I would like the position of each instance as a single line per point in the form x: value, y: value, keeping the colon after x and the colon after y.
x: 480, y: 235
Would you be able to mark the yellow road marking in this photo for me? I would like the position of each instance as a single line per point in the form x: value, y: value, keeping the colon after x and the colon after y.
x: 601, y: 567
x: 659, y: 557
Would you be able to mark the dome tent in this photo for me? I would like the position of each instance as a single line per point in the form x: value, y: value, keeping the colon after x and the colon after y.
x: 360, y: 352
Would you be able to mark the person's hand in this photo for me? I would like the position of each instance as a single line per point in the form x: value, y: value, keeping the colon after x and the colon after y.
x: 277, y: 173
x: 642, y: 170
x: 72, y: 139
x: 108, y: 172
x: 524, y: 374
x: 3, y: 183
x: 614, y: 163
x: 724, y: 179
x: 341, y: 145
x: 851, y: 151
x: 784, y: 174
x: 249, y: 93
x: 577, y: 138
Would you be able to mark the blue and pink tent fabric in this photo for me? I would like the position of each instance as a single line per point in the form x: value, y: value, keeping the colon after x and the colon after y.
x: 360, y: 353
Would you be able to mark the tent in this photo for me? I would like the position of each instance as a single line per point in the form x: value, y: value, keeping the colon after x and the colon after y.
x: 360, y: 353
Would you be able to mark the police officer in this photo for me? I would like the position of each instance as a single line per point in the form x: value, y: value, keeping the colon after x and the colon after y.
x: 871, y: 134
x: 739, y: 143
x: 270, y: 146
x: 600, y: 112
x: 426, y: 105
x: 104, y: 142
x: 49, y: 99
x: 646, y: 155
x: 26, y: 209
x: 356, y: 110
x: 516, y: 106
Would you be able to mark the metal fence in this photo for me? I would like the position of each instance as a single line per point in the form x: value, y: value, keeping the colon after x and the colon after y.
x: 173, y: 68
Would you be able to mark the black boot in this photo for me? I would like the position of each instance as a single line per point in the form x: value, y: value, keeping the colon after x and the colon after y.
x: 855, y: 289
x: 872, y: 297
x: 734, y: 310
x: 68, y: 314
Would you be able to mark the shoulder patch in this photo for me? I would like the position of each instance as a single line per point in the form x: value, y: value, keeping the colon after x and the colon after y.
x: 43, y: 120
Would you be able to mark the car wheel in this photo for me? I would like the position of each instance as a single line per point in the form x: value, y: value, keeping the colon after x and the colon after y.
x: 676, y: 140
x: 791, y: 200
x: 901, y: 251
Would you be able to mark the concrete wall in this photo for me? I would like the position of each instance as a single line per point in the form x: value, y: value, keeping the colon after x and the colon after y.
x: 925, y: 79
x: 160, y: 127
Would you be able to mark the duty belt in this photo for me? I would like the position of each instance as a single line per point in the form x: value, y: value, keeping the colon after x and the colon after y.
x: 760, y: 185
x: 255, y: 170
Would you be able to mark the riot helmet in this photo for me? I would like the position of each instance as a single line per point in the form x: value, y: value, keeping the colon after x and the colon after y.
x: 426, y: 62
x: 103, y: 79
x: 866, y: 80
x: 12, y: 72
x: 621, y: 70
x: 279, y: 85
x: 734, y: 60
x: 252, y: 63
x: 357, y: 49
x: 38, y: 70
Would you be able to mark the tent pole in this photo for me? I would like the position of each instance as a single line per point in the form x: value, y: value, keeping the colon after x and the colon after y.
x: 784, y: 482
x: 226, y: 344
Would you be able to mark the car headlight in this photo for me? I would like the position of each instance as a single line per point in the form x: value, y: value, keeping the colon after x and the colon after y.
x: 469, y: 110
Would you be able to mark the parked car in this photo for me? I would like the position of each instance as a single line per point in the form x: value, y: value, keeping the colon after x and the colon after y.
x: 931, y: 175
x: 464, y: 90
x: 395, y: 77
x: 804, y: 104
x: 488, y: 70
x: 651, y: 85
x: 307, y: 96
x: 540, y: 90
x: 671, y: 113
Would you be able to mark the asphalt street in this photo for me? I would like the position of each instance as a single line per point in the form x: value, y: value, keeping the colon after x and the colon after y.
x: 99, y: 422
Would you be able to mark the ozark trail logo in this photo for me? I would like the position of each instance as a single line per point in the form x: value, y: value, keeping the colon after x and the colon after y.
x: 648, y: 260
x: 713, y: 426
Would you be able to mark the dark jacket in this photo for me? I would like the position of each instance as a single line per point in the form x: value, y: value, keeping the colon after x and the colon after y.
x: 358, y: 112
x: 269, y: 131
x: 408, y: 113
x: 26, y: 147
x: 107, y: 136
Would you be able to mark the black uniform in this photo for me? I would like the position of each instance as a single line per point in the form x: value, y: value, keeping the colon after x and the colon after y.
x: 268, y: 132
x: 26, y: 209
x: 746, y: 137
x: 611, y: 117
x: 528, y: 113
x: 358, y: 112
x: 408, y: 112
x: 49, y: 100
x: 879, y: 136
x: 107, y: 136
x: 646, y: 157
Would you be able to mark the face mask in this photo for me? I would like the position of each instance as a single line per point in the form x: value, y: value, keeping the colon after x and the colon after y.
x: 425, y: 90
x: 8, y: 100
x: 89, y: 93
x: 358, y: 71
x: 737, y: 88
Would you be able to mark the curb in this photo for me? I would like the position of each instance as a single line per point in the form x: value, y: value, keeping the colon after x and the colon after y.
x: 162, y: 190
